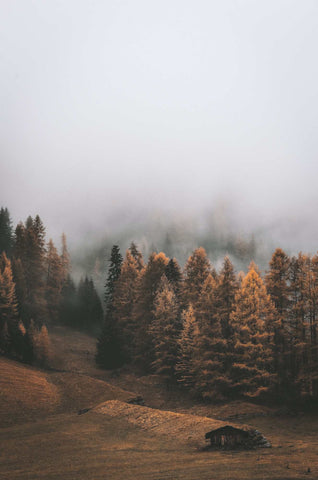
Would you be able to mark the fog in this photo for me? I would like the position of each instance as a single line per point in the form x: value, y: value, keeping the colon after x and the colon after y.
x: 127, y: 120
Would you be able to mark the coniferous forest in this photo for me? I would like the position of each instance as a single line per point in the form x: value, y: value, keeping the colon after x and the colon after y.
x: 218, y: 334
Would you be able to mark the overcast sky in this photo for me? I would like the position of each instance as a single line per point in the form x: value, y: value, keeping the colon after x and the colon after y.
x: 120, y: 105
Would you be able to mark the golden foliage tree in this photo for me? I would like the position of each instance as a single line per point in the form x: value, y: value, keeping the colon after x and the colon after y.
x: 185, y: 371
x: 196, y: 271
x: 252, y: 373
x: 164, y: 329
x: 209, y: 346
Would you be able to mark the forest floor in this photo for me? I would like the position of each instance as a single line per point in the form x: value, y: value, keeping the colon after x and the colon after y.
x: 43, y: 437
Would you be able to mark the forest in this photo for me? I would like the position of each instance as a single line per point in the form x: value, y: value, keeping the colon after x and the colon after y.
x: 216, y: 333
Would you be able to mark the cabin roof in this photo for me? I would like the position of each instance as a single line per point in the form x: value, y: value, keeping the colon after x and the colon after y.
x: 227, y: 429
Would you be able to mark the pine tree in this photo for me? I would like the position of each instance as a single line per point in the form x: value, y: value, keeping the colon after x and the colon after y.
x: 196, y: 271
x: 6, y: 232
x: 124, y: 300
x: 68, y: 308
x: 209, y: 347
x: 109, y: 354
x: 252, y: 322
x: 90, y: 312
x: 115, y: 263
x: 164, y: 330
x: 185, y: 371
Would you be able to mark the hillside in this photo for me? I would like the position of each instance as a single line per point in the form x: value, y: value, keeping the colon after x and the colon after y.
x: 43, y: 437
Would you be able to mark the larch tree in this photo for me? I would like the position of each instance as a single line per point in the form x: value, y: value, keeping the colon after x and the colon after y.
x: 185, y: 371
x: 164, y: 330
x: 196, y: 271
x: 252, y: 321
x: 211, y: 380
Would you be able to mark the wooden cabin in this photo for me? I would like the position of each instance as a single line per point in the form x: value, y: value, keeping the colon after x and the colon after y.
x: 228, y: 437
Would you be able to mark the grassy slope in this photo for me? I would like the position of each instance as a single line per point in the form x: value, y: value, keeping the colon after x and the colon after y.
x: 53, y: 442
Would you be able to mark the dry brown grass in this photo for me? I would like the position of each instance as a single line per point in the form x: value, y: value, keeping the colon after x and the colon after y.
x: 24, y: 392
x: 131, y: 442
x: 189, y: 428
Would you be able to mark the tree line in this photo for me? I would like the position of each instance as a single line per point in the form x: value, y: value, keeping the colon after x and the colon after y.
x: 37, y: 291
x: 217, y: 334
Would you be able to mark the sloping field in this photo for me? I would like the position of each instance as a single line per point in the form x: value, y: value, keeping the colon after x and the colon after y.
x: 81, y: 391
x: 27, y: 393
x: 24, y: 392
x: 189, y: 428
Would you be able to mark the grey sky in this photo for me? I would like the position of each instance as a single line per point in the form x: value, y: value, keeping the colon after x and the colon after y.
x: 119, y: 104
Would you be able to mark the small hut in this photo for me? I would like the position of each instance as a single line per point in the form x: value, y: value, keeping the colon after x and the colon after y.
x: 233, y: 437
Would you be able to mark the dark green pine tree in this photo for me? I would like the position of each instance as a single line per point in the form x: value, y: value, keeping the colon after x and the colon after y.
x: 90, y: 312
x: 6, y: 232
x: 109, y: 354
x: 68, y: 308
x: 115, y: 263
